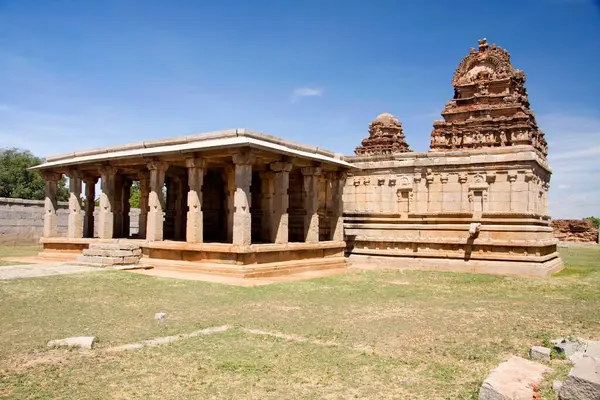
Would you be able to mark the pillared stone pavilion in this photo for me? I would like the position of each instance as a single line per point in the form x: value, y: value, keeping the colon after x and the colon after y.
x: 248, y: 204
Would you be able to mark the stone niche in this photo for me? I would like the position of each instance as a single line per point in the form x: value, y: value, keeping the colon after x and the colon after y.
x: 476, y: 202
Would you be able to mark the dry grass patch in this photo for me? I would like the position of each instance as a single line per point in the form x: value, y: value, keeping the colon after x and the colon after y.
x: 363, y: 336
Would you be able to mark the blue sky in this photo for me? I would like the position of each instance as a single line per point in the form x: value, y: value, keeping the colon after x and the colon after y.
x: 81, y: 74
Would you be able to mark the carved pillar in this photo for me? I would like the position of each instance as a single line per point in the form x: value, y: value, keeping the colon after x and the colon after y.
x: 530, y: 191
x: 311, y: 204
x: 75, y: 223
x: 338, y: 180
x: 512, y: 178
x: 90, y: 205
x: 118, y: 206
x: 267, y: 179
x: 125, y: 207
x: 464, y: 201
x: 443, y: 181
x: 50, y: 203
x: 428, y: 182
x: 195, y: 221
x: 144, y: 194
x: 281, y: 201
x: 242, y: 219
x: 156, y: 201
x: 106, y: 219
x: 229, y: 179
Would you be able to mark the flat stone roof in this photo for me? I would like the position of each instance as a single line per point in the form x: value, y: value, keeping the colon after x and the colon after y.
x: 198, y: 142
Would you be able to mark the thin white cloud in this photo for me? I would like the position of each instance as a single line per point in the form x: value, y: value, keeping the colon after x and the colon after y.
x: 575, y: 161
x: 306, y: 92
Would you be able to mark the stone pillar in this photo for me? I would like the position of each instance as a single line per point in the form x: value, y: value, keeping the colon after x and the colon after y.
x: 156, y: 201
x: 106, y: 219
x: 229, y: 188
x: 311, y: 204
x: 125, y: 208
x: 75, y: 223
x: 144, y: 194
x: 512, y: 178
x: 242, y: 219
x: 195, y: 221
x: 50, y: 203
x: 281, y: 200
x: 464, y: 200
x: 338, y: 181
x: 118, y: 207
x: 90, y: 205
x: 267, y: 190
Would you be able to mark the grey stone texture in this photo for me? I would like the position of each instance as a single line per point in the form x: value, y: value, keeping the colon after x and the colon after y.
x: 583, y: 382
x: 512, y: 380
x: 22, y: 221
x: 539, y: 353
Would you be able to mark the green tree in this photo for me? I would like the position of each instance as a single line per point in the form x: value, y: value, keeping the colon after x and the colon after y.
x: 16, y: 181
x: 134, y: 200
x: 595, y: 221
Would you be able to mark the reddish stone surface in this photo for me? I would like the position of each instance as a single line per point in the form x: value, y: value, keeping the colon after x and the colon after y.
x: 574, y: 230
x: 385, y: 137
x: 490, y: 107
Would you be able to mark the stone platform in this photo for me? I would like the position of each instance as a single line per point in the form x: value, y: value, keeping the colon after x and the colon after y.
x: 505, y: 244
x: 253, y: 261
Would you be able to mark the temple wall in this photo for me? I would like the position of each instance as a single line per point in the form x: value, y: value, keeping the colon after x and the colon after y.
x: 417, y: 208
x: 22, y: 221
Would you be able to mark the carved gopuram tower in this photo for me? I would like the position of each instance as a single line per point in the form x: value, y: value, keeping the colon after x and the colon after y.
x: 476, y: 202
x: 385, y: 137
x: 490, y: 107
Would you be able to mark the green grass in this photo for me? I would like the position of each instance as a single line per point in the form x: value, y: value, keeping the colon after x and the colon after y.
x: 425, y: 335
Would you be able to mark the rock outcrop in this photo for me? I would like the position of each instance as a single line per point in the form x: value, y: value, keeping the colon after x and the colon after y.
x: 385, y: 137
x: 490, y: 107
x: 574, y: 230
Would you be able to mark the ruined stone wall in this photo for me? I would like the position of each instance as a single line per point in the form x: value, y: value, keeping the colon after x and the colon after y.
x: 22, y: 221
x: 574, y: 230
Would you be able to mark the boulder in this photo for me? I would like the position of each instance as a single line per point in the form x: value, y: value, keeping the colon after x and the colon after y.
x: 583, y: 382
x: 539, y: 353
x: 513, y: 379
x: 84, y: 342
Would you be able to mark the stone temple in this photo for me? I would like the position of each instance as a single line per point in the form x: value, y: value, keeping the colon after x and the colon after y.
x: 247, y: 204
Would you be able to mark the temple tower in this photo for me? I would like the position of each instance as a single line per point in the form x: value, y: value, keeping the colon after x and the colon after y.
x: 490, y: 107
x: 385, y: 137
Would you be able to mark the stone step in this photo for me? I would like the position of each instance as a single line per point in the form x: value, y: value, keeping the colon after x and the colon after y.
x: 108, y: 260
x: 114, y: 246
x: 111, y: 252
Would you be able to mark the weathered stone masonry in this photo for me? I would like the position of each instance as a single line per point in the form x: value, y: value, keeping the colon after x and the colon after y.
x: 22, y: 221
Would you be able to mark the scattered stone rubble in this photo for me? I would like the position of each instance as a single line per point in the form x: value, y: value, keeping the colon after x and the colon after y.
x: 583, y: 382
x: 111, y: 254
x: 518, y: 378
x: 574, y: 230
x: 83, y: 342
x: 514, y: 379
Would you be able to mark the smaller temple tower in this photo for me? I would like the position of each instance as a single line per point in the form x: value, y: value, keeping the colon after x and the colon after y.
x: 490, y: 107
x: 385, y: 137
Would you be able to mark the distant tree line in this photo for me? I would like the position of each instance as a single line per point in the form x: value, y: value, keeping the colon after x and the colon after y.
x: 16, y: 181
x: 595, y: 221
